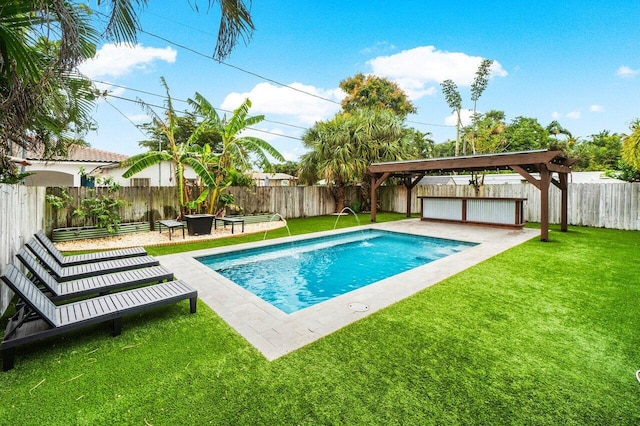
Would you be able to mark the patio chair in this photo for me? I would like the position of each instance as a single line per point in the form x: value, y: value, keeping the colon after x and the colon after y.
x: 102, y: 284
x: 79, y: 259
x: 38, y: 318
x: 68, y: 273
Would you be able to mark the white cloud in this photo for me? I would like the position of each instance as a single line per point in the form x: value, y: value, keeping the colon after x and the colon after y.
x: 573, y: 115
x: 625, y: 71
x: 414, y: 70
x: 113, y: 60
x: 269, y: 100
x: 465, y: 118
x: 555, y: 115
x: 596, y: 108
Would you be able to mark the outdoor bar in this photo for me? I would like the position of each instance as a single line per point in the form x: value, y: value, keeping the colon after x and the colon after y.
x: 505, y: 212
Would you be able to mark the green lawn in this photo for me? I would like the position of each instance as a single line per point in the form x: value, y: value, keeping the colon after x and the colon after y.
x: 545, y: 333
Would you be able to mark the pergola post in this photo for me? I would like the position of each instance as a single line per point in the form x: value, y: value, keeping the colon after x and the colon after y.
x: 375, y: 184
x: 409, y: 185
x: 545, y: 180
x: 564, y: 188
x: 374, y: 198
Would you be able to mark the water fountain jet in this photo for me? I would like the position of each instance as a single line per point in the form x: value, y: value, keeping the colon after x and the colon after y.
x: 280, y: 217
x: 348, y: 209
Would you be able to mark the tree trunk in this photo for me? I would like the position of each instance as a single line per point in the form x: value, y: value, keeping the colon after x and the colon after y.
x: 339, y: 195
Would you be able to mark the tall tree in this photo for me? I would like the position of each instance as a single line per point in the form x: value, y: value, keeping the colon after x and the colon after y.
x: 372, y: 92
x: 488, y: 132
x: 477, y: 88
x: 600, y: 151
x: 525, y: 133
x: 454, y: 100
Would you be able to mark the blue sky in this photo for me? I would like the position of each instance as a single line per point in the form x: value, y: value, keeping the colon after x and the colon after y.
x: 575, y: 62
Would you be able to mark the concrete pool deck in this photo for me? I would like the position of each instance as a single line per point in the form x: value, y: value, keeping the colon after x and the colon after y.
x: 275, y: 333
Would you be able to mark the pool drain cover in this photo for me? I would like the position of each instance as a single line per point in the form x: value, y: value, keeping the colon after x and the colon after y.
x: 358, y: 307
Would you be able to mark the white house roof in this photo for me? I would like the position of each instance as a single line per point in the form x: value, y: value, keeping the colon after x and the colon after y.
x: 80, y: 154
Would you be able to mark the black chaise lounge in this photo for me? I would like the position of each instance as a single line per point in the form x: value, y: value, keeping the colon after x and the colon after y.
x: 39, y: 318
x: 68, y: 273
x: 102, y: 284
x: 79, y: 259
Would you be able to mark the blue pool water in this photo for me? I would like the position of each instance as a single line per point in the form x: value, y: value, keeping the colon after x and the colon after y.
x: 293, y: 276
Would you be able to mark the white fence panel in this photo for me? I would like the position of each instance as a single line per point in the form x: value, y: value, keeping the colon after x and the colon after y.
x: 21, y: 215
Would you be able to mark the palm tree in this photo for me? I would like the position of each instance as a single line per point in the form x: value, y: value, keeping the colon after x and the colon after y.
x: 454, y: 100
x: 38, y: 88
x: 237, y: 150
x: 554, y: 128
x: 342, y: 149
x: 478, y: 86
x: 43, y: 100
x: 631, y: 145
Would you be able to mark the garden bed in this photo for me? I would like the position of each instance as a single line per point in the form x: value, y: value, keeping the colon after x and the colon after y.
x: 86, y: 232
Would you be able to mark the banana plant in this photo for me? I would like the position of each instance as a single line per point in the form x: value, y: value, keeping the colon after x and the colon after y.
x: 236, y: 149
x: 180, y: 155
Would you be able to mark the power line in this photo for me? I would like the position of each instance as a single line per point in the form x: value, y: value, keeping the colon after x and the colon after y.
x: 196, y: 52
x: 429, y: 124
x: 184, y: 101
x: 189, y: 113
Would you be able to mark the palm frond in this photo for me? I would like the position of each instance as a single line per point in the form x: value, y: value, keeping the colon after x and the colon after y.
x: 123, y: 24
x: 235, y: 22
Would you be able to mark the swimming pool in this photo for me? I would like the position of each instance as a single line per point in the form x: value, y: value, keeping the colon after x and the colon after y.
x: 295, y: 275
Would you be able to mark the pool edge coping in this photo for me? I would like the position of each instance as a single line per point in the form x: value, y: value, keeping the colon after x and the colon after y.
x: 275, y: 333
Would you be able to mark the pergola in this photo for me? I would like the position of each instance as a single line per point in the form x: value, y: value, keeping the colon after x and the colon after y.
x: 543, y: 162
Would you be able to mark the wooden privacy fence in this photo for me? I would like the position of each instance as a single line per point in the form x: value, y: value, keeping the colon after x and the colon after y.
x: 600, y: 205
x: 21, y: 215
x: 140, y: 205
x: 609, y: 205
x: 23, y: 210
x: 156, y: 203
